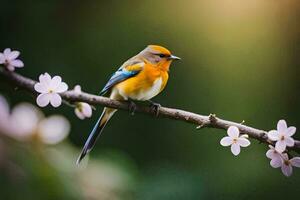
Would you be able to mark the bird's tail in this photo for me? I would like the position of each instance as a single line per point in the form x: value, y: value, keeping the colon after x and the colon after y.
x: 98, y: 128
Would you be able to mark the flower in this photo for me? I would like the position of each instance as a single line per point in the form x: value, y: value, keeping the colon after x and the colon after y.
x: 50, y: 89
x: 282, y: 136
x: 288, y: 164
x: 275, y: 156
x: 83, y: 110
x: 9, y: 59
x: 235, y: 140
x: 282, y: 160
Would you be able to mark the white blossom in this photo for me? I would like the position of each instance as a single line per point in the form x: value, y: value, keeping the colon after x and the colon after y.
x: 50, y: 89
x: 288, y: 164
x: 234, y: 140
x: 83, y: 110
x: 275, y: 156
x: 282, y: 136
x: 9, y: 59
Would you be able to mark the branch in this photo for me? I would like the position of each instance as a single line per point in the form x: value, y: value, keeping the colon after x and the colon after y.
x: 200, y: 120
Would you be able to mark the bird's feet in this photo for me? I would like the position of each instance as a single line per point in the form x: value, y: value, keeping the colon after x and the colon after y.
x: 155, y: 107
x: 132, y: 107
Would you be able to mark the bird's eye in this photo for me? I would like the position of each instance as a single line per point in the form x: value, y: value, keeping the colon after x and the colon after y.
x: 162, y: 55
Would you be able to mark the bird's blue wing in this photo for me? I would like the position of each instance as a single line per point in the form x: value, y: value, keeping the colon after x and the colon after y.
x: 122, y: 74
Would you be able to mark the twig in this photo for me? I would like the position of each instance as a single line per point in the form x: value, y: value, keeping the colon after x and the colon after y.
x: 200, y: 120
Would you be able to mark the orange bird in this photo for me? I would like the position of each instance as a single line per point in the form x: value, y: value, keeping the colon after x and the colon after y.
x: 140, y: 78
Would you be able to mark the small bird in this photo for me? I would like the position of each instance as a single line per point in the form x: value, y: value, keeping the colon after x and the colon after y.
x: 140, y: 78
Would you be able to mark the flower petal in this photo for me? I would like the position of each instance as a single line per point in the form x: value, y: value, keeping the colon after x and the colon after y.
x: 55, y: 82
x: 289, y: 141
x: 41, y: 88
x: 287, y: 169
x: 270, y: 153
x: 45, y: 78
x: 226, y: 141
x: 79, y: 114
x: 54, y: 129
x: 273, y: 135
x: 280, y: 146
x: 62, y: 87
x: 243, y: 142
x: 86, y: 109
x: 295, y: 161
x: 17, y: 63
x: 55, y: 100
x: 276, y: 162
x: 43, y: 100
x: 281, y: 126
x: 235, y: 149
x: 6, y: 52
x: 13, y: 55
x: 233, y: 132
x: 291, y: 131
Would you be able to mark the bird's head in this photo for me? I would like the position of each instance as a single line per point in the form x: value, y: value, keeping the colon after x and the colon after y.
x: 158, y: 55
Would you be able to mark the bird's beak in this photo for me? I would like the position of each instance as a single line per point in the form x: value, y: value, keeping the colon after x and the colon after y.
x: 172, y: 57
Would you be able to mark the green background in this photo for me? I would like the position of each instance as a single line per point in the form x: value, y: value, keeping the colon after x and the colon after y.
x: 240, y: 60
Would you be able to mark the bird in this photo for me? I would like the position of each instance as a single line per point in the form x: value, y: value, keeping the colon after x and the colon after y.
x: 140, y: 78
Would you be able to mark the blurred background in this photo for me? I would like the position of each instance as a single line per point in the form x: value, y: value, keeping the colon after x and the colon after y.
x: 240, y: 60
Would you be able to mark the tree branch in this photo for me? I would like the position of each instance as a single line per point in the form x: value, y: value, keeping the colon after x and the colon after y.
x: 200, y: 120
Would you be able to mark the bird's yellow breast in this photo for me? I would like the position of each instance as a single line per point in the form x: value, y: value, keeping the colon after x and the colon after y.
x: 144, y: 86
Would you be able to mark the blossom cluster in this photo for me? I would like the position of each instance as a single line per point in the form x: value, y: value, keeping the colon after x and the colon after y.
x: 49, y: 88
x: 281, y: 160
x: 282, y: 138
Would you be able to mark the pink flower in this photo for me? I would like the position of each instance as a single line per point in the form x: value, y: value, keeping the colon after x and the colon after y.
x: 9, y: 59
x: 287, y: 165
x: 50, y: 89
x: 275, y: 156
x: 282, y: 136
x: 235, y: 140
x: 83, y: 110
